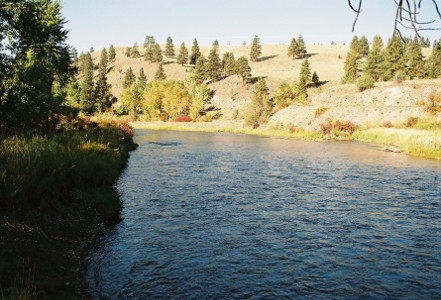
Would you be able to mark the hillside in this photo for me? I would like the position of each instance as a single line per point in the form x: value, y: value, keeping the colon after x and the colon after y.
x: 388, y: 101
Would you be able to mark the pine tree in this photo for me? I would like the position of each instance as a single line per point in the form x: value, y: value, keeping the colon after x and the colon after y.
x: 301, y: 48
x: 395, y: 59
x: 195, y: 52
x: 374, y: 61
x: 87, y: 86
x: 112, y: 53
x: 352, y: 62
x: 229, y: 63
x: 363, y: 46
x: 315, y: 79
x: 134, y: 51
x: 142, y: 80
x: 156, y: 53
x: 214, y: 65
x: 200, y: 70
x: 256, y: 49
x: 216, y: 44
x: 183, y: 55
x: 416, y: 62
x: 243, y: 69
x: 149, y: 41
x: 260, y: 107
x: 160, y: 74
x: 305, y: 71
x: 434, y: 61
x: 103, y: 90
x: 292, y: 49
x: 128, y: 52
x: 169, y: 48
x: 129, y: 78
x: 104, y: 58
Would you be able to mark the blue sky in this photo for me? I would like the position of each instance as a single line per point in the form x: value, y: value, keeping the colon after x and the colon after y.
x: 99, y: 23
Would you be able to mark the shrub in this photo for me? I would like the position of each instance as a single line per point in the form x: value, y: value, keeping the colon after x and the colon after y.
x: 345, y: 128
x: 292, y: 129
x: 338, y: 128
x: 182, y: 119
x: 411, y: 121
x: 325, y: 128
x: 320, y: 111
x: 400, y: 76
x: 364, y: 82
x: 433, y: 103
x: 387, y: 124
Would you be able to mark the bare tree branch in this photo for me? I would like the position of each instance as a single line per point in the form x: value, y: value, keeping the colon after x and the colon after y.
x: 405, y: 16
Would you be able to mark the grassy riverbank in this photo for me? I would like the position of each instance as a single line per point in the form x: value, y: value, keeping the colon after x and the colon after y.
x: 55, y: 191
x: 424, y: 143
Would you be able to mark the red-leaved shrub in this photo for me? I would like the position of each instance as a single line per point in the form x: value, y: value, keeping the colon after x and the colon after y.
x: 183, y: 119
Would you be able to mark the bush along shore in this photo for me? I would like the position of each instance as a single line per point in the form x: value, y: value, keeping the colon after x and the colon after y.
x: 56, y: 192
x: 419, y: 137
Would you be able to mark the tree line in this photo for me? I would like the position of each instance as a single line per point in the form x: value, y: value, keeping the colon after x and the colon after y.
x: 399, y: 59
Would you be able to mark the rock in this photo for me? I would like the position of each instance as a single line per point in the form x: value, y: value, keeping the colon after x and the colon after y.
x: 391, y: 149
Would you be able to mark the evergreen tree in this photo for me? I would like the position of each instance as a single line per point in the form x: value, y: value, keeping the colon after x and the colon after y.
x: 74, y: 54
x: 395, y: 59
x: 128, y: 52
x: 214, y: 65
x: 149, y: 41
x: 195, y: 52
x: 149, y: 53
x: 260, y: 107
x: 169, y: 48
x: 416, y: 62
x: 434, y: 61
x: 363, y: 46
x: 301, y: 92
x: 377, y: 42
x: 134, y: 51
x: 142, y: 80
x: 156, y: 53
x: 183, y: 55
x: 352, y: 62
x: 229, y: 63
x: 256, y: 49
x: 160, y: 74
x: 243, y: 69
x: 103, y: 90
x: 104, y: 59
x: 315, y: 79
x: 374, y: 61
x: 112, y: 53
x: 301, y: 48
x: 292, y: 49
x: 200, y: 70
x: 305, y: 71
x: 87, y: 86
x: 129, y: 78
x: 215, y: 44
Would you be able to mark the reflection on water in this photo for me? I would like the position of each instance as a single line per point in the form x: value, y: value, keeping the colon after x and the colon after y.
x: 227, y: 216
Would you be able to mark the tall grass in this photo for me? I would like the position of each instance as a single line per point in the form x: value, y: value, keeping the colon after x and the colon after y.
x: 73, y: 168
x: 423, y: 143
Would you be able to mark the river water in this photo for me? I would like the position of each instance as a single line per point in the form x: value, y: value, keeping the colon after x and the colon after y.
x: 222, y: 216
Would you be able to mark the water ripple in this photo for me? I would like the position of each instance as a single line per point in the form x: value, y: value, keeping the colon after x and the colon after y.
x: 218, y: 216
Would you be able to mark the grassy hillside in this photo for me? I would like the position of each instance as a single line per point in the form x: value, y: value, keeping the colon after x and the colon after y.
x: 275, y: 65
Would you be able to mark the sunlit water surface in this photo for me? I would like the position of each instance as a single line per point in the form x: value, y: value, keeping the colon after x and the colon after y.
x: 222, y: 216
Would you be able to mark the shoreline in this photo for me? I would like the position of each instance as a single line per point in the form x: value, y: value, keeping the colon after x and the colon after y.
x: 412, y: 142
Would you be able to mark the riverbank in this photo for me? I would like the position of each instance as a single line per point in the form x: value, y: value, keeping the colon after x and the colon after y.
x: 425, y: 143
x: 56, y: 192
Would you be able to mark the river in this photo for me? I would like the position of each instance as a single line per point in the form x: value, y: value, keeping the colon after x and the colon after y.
x: 223, y: 216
